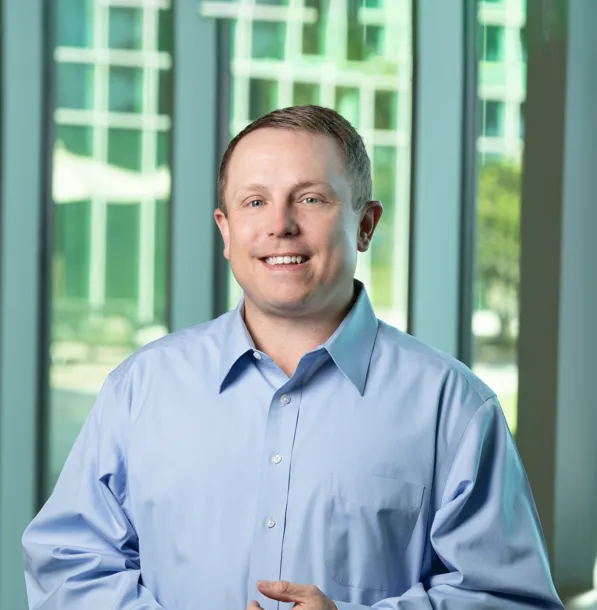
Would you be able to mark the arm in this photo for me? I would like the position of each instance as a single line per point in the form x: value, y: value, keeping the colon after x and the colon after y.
x: 81, y: 550
x: 486, y: 538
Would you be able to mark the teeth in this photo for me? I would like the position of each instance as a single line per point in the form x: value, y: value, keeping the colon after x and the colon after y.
x: 284, y: 260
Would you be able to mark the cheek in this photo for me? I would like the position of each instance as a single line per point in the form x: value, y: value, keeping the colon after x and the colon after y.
x: 340, y: 240
x: 242, y: 238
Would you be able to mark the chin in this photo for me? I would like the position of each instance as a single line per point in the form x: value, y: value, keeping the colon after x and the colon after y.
x: 285, y: 306
x: 289, y: 305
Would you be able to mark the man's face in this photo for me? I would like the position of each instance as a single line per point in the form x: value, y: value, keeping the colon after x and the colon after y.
x: 291, y: 232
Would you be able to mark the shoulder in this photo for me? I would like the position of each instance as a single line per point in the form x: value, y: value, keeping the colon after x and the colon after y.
x: 192, y: 346
x: 435, y: 380
x: 421, y: 359
x: 446, y: 389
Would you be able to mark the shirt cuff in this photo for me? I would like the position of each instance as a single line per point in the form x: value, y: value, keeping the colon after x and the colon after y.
x: 347, y: 606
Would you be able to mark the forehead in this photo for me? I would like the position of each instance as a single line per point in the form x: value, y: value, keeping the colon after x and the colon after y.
x: 274, y: 153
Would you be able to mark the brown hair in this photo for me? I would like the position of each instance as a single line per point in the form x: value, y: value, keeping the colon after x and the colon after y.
x: 313, y: 119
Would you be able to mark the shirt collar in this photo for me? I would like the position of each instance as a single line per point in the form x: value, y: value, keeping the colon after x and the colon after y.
x: 352, y: 343
x: 350, y: 346
x: 236, y: 343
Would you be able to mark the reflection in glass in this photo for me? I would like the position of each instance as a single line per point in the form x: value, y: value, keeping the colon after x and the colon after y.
x: 313, y: 39
x: 501, y: 93
x: 354, y: 56
x: 124, y: 148
x: 383, y: 283
x: 386, y: 110
x: 125, y: 28
x: 111, y: 189
x: 122, y: 264
x: 262, y: 97
x: 75, y: 24
x: 348, y: 104
x: 305, y: 94
x: 268, y: 40
x: 126, y: 89
x: 494, y: 43
x: 77, y: 91
x: 494, y: 118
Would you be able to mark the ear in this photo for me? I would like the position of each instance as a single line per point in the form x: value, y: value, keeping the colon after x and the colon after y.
x: 222, y: 222
x: 369, y: 218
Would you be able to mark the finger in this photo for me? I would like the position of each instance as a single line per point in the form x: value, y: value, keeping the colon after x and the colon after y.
x: 285, y: 591
x: 254, y: 605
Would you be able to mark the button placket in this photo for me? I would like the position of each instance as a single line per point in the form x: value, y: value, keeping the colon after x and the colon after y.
x: 266, y: 555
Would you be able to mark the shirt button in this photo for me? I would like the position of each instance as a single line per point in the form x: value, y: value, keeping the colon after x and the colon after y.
x: 285, y: 399
x: 270, y: 523
x: 257, y: 355
x: 276, y: 459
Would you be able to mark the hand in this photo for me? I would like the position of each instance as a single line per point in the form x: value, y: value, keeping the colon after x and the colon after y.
x: 305, y: 597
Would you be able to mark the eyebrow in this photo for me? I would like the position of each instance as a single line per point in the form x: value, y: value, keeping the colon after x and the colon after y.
x: 296, y: 187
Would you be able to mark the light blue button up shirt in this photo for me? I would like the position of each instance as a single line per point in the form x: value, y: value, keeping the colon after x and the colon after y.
x: 382, y: 472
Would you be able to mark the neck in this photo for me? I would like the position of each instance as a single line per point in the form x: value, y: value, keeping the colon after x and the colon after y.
x: 287, y: 339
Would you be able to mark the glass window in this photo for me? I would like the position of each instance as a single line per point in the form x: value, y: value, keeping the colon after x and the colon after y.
x: 165, y: 29
x: 494, y: 118
x: 126, y: 89
x: 342, y: 59
x: 263, y: 97
x: 163, y: 149
x: 124, y: 148
x: 494, y: 43
x: 313, y: 39
x: 386, y: 110
x: 382, y: 247
x: 122, y: 266
x: 110, y: 185
x: 364, y: 40
x: 355, y: 42
x: 77, y: 86
x: 125, y: 28
x: 164, y: 91
x: 71, y: 253
x: 305, y: 94
x: 495, y: 312
x: 268, y: 40
x: 523, y: 45
x: 75, y: 138
x: 160, y: 260
x: 374, y: 41
x: 348, y: 104
x: 74, y: 25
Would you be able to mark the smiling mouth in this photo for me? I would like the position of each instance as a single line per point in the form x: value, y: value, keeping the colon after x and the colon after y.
x: 285, y: 260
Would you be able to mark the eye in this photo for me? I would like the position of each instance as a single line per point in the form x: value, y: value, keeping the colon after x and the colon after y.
x: 256, y: 203
x: 310, y: 200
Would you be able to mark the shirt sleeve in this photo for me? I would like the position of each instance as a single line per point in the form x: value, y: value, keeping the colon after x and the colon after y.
x: 81, y: 550
x: 487, y: 542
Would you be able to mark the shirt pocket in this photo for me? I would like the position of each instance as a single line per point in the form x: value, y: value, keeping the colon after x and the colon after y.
x: 371, y: 522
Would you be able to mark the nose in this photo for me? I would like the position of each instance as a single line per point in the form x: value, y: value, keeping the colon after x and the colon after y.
x: 282, y: 222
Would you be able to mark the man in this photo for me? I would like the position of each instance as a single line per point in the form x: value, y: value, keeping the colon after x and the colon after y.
x: 295, y: 452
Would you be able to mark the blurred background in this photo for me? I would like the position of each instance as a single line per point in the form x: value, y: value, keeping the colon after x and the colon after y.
x: 479, y: 118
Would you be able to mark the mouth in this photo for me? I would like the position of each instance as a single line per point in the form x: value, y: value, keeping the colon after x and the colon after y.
x: 286, y: 261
